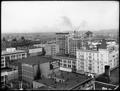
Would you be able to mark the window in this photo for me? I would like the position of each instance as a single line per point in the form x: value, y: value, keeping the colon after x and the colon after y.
x: 65, y: 65
x: 90, y: 61
x: 69, y: 66
x: 74, y: 66
x: 23, y: 54
x: 60, y: 64
x: 64, y: 61
x: 2, y: 78
x: 73, y: 62
x: 2, y: 58
x: 2, y: 65
x: 69, y: 61
x: 13, y: 57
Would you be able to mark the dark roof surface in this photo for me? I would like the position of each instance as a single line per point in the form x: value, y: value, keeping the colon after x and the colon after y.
x: 114, y: 77
x: 99, y: 85
x: 71, y: 80
x: 66, y: 57
x: 36, y: 60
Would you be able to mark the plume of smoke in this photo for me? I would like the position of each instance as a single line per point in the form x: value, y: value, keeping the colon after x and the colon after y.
x: 67, y: 21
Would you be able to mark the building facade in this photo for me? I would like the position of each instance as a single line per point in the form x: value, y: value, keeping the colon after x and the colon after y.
x: 39, y: 68
x: 93, y: 61
x: 62, y: 41
x: 67, y: 63
x: 51, y: 49
x: 35, y: 51
x: 10, y: 55
x: 73, y: 45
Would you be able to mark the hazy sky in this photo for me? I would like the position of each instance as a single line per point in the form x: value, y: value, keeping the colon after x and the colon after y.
x: 41, y: 16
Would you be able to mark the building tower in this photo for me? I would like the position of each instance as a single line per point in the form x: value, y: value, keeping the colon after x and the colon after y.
x: 62, y: 41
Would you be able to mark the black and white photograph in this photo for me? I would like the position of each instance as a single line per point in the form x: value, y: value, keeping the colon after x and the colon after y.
x: 60, y: 45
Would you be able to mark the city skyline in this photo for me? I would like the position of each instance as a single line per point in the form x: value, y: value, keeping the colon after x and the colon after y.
x: 48, y: 16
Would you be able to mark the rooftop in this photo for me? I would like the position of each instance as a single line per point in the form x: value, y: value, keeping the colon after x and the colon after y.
x: 100, y: 85
x: 114, y: 77
x: 71, y: 80
x: 66, y: 57
x: 7, y: 53
x: 36, y: 60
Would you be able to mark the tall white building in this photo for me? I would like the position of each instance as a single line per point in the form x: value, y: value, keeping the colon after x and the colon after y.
x: 93, y: 61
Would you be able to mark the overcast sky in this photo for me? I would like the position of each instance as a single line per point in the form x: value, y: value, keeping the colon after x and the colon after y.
x: 41, y: 16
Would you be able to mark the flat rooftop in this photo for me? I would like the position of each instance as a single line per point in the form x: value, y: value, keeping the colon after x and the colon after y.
x: 114, y: 77
x: 65, y: 57
x: 14, y: 52
x: 99, y: 85
x: 36, y: 60
x: 71, y: 80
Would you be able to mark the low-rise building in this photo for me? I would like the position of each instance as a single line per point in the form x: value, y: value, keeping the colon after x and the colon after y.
x: 36, y: 67
x: 8, y: 74
x: 11, y: 54
x: 67, y: 63
x: 63, y: 80
x: 8, y: 57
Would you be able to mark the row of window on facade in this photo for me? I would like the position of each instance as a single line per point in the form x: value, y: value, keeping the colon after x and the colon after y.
x: 14, y: 56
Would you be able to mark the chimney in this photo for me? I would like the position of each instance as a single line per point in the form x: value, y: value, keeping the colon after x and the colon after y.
x: 107, y: 72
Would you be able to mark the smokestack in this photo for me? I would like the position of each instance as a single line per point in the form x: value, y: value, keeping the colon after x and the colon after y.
x: 107, y: 72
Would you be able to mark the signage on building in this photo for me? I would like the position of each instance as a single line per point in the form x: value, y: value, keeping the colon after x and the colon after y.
x: 66, y: 69
x: 35, y: 50
x: 27, y: 65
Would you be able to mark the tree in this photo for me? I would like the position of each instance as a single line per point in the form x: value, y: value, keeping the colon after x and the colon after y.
x: 14, y: 39
x: 4, y: 39
x: 22, y: 38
